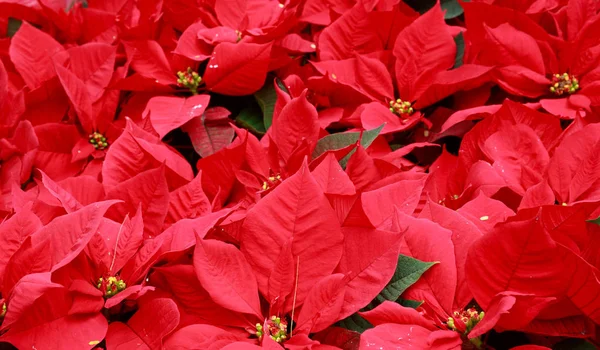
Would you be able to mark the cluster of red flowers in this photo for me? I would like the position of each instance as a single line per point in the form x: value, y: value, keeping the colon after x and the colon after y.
x: 299, y: 174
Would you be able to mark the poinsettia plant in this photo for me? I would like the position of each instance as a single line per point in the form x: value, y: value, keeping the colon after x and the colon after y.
x: 299, y: 174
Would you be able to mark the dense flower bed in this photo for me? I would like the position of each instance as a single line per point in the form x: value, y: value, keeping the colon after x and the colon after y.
x: 299, y: 174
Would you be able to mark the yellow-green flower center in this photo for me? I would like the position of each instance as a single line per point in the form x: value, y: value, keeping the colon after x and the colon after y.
x: 272, y: 181
x: 275, y: 327
x: 463, y: 321
x: 564, y: 84
x: 401, y: 108
x: 98, y: 140
x: 189, y: 79
x: 111, y: 286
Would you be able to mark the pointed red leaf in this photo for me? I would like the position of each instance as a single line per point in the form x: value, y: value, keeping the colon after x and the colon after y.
x: 392, y: 312
x: 422, y: 49
x: 322, y: 305
x: 148, y: 189
x: 138, y: 266
x: 367, y: 76
x: 167, y: 113
x: 237, y: 69
x: 485, y: 212
x: 189, y: 46
x: 574, y: 170
x: 136, y: 151
x: 31, y: 51
x: 60, y: 241
x: 93, y: 64
x: 78, y: 95
x: 210, y: 132
x: 84, y: 72
x: 517, y: 266
x: 231, y: 12
x: 395, y: 336
x: 537, y: 195
x: 282, y: 279
x: 297, y: 121
x: 129, y: 239
x: 227, y: 277
x: 149, y: 60
x: 198, y: 336
x: 13, y: 232
x: 25, y: 293
x: 193, y: 301
x: 373, y: 115
x: 48, y: 323
x: 508, y: 46
x: 427, y: 241
x: 446, y: 83
x: 336, y: 41
x: 182, y: 235
x: 147, y: 327
x: 510, y: 311
x: 361, y: 169
x: 516, y: 152
x: 332, y: 178
x: 218, y: 171
x: 67, y: 200
x: 578, y: 13
x: 245, y: 346
x: 379, y: 204
x: 85, y: 189
x: 464, y: 234
x: 188, y: 202
x: 369, y: 262
x: 298, y: 212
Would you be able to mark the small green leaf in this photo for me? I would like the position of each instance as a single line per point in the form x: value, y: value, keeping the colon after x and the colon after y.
x: 595, y: 221
x: 341, y: 140
x: 408, y: 271
x: 13, y: 25
x: 410, y: 303
x: 460, y: 50
x: 251, y: 118
x: 452, y: 7
x: 355, y: 323
x: 573, y: 344
x: 421, y: 6
x: 266, y: 98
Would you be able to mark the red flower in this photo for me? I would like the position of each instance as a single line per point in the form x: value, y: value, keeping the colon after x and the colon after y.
x: 528, y: 62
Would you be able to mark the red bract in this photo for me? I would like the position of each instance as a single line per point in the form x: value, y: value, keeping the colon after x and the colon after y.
x: 525, y: 238
x: 299, y: 174
x: 424, y: 51
x: 529, y: 62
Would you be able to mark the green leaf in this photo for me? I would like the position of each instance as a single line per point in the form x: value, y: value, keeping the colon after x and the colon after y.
x: 408, y: 271
x: 251, y: 118
x: 595, y: 221
x: 355, y: 323
x: 460, y: 50
x: 421, y: 6
x: 13, y: 25
x: 452, y: 7
x: 341, y: 140
x: 266, y: 98
x: 410, y: 303
x: 573, y: 344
